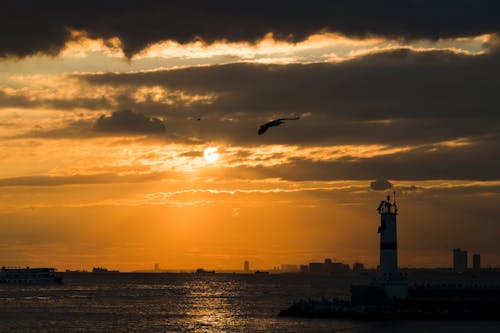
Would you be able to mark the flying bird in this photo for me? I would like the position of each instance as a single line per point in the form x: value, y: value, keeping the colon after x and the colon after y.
x: 276, y: 122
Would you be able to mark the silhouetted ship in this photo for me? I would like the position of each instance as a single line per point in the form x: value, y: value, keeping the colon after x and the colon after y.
x: 29, y: 276
x: 261, y: 273
x: 203, y: 271
x: 103, y: 270
x: 388, y: 295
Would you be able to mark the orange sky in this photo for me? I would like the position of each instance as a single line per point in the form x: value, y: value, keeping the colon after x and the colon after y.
x: 73, y: 196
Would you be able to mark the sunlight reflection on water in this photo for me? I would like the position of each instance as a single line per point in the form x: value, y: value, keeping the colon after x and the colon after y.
x: 185, y: 303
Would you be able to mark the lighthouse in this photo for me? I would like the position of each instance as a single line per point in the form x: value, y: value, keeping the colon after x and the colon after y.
x: 388, y: 237
x: 388, y: 276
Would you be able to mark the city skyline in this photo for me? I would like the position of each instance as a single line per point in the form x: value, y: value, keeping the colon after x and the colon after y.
x: 129, y: 134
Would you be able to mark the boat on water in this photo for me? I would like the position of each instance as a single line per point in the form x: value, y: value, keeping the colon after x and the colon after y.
x: 103, y: 270
x: 203, y: 271
x: 29, y: 276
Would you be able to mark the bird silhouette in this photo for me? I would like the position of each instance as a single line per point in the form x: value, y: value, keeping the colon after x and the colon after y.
x: 263, y: 128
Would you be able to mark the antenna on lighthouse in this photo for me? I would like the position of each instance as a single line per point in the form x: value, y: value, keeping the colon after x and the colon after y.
x: 395, y: 206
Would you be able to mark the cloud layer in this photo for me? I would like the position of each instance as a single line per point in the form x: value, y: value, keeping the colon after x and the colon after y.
x: 390, y: 89
x: 432, y: 115
x: 400, y: 96
x: 380, y: 185
x: 46, y: 26
x: 127, y: 121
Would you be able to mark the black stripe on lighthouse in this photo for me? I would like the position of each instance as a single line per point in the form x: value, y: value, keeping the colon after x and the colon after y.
x: 389, y: 246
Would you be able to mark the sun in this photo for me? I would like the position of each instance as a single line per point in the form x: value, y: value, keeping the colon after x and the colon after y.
x: 210, y: 154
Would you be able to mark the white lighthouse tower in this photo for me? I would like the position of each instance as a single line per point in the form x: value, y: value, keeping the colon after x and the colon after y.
x: 388, y: 237
x: 394, y: 283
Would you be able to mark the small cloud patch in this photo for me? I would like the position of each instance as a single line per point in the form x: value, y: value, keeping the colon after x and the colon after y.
x: 380, y: 185
x: 130, y: 122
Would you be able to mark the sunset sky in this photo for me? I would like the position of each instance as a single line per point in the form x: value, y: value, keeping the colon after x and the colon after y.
x: 107, y: 108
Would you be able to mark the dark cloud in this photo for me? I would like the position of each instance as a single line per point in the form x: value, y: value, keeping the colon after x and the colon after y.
x: 101, y: 178
x: 129, y: 122
x: 395, y: 98
x: 380, y: 185
x: 426, y: 96
x: 191, y: 154
x: 21, y: 101
x: 474, y: 162
x: 36, y: 26
x: 481, y: 162
x: 409, y: 189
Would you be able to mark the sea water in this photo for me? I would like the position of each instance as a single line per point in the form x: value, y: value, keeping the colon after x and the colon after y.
x: 136, y: 302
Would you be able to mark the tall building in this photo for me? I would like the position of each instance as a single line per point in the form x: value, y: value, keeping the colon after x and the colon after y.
x: 459, y: 260
x: 476, y: 261
x: 246, y: 266
x: 157, y: 268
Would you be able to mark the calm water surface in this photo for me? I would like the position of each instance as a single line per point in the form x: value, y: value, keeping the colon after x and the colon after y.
x: 188, y: 303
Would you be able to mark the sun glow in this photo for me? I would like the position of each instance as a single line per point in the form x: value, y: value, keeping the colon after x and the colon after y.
x: 210, y: 154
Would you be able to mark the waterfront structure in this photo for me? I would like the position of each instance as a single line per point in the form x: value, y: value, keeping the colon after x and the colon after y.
x: 336, y: 267
x: 388, y: 296
x: 476, y: 262
x: 103, y: 270
x: 358, y: 267
x: 246, y: 266
x: 316, y: 267
x: 29, y: 276
x: 328, y: 267
x: 459, y: 260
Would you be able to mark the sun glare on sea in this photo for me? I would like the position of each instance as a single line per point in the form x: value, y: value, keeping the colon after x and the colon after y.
x: 210, y: 154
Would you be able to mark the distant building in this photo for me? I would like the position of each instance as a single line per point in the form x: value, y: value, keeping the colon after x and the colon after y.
x: 103, y: 270
x: 289, y: 268
x: 157, y: 268
x: 459, y: 260
x: 246, y: 266
x: 358, y: 267
x: 328, y: 267
x: 337, y: 267
x: 476, y: 261
x: 304, y: 269
x: 316, y: 267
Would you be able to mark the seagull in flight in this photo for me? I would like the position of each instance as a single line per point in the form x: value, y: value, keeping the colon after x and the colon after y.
x: 276, y: 122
